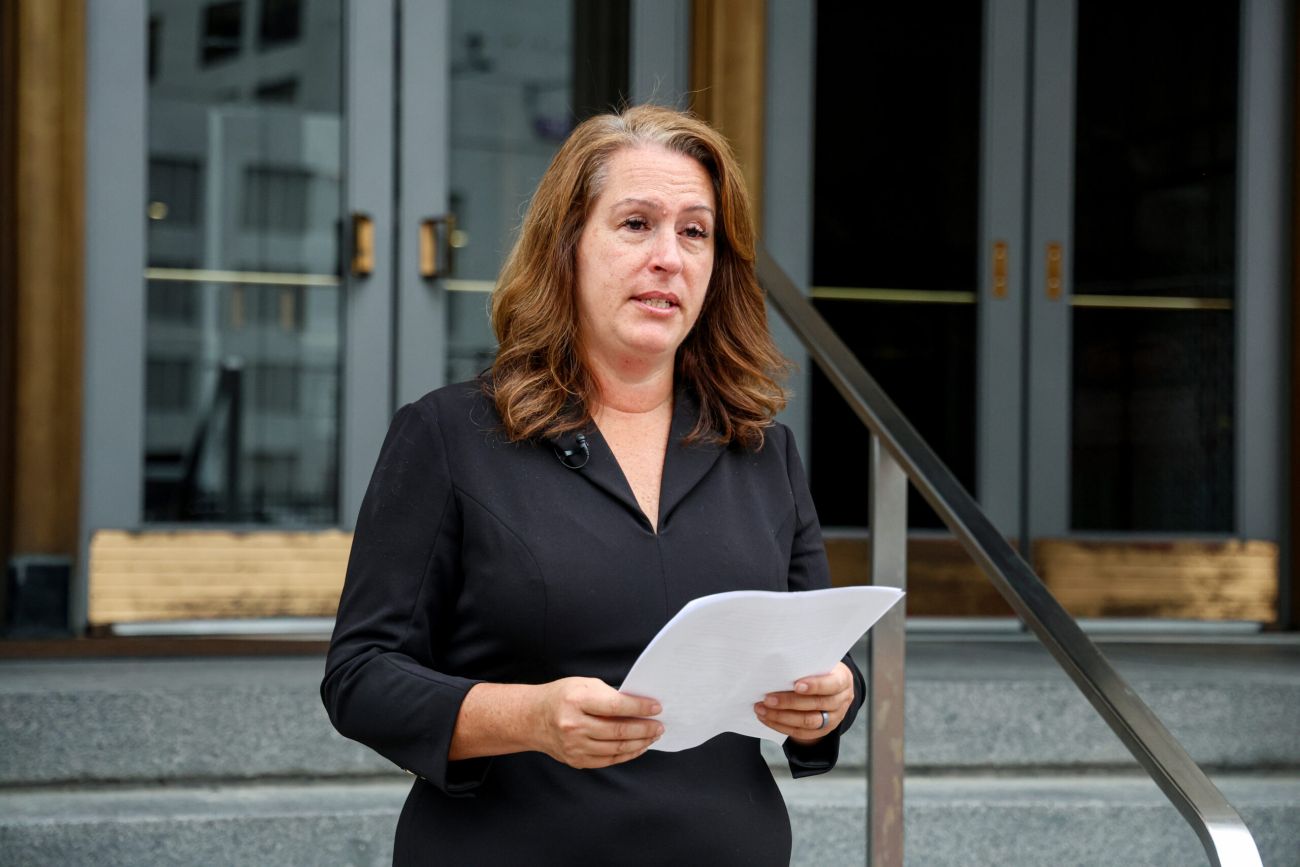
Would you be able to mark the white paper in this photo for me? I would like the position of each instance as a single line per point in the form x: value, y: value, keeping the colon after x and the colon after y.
x: 721, y: 654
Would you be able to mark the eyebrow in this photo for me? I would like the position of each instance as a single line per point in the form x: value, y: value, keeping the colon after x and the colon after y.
x: 655, y: 205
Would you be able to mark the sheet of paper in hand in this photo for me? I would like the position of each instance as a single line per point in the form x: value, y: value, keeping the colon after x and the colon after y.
x: 723, y: 653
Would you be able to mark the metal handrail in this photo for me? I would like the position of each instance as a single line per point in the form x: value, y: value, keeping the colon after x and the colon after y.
x: 227, y: 394
x: 1222, y: 832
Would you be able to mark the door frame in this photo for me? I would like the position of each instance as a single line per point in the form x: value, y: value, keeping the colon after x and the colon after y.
x: 1003, y: 264
x: 1046, y: 349
x: 112, y: 457
x: 1261, y: 422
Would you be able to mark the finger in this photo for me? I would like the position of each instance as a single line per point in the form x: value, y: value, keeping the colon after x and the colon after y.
x: 795, y: 719
x: 825, y: 684
x: 607, y: 749
x: 625, y: 729
x: 794, y: 701
x: 611, y: 702
x: 804, y: 735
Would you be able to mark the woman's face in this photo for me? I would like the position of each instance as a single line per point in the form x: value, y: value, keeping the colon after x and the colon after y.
x: 645, y: 257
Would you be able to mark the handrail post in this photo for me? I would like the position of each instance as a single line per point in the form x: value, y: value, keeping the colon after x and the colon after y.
x: 886, y: 646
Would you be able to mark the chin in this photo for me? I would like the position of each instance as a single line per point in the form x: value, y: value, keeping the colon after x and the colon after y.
x: 653, y: 346
x: 650, y: 354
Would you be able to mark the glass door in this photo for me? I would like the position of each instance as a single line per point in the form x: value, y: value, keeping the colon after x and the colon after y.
x: 896, y: 234
x: 239, y: 212
x: 486, y: 105
x: 1141, y: 305
x: 330, y: 190
x: 244, y: 314
x: 268, y: 138
x: 919, y: 215
x: 1048, y: 231
x: 512, y: 65
x: 1154, y: 352
x: 295, y: 209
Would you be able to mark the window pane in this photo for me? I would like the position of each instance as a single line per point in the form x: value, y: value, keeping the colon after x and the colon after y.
x: 1155, y: 223
x: 521, y: 72
x: 223, y: 31
x: 896, y: 208
x: 244, y: 313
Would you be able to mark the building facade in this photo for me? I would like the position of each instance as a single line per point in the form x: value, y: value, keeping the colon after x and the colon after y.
x: 239, y: 234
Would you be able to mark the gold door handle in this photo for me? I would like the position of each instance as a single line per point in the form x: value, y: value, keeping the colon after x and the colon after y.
x: 1054, y: 257
x: 363, y: 245
x: 431, y: 264
x: 999, y: 269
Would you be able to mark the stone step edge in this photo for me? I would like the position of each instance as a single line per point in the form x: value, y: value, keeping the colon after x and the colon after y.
x: 263, y: 799
x: 956, y: 821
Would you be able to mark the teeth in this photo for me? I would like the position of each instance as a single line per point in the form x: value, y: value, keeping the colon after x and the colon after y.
x: 663, y: 303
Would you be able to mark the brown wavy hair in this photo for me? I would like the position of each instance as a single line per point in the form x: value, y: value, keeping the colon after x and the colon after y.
x: 540, y: 381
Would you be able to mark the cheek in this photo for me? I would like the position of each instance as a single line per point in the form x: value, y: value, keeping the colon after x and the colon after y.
x: 707, y: 261
x: 703, y: 280
x: 609, y: 279
x: 591, y: 284
x: 698, y: 309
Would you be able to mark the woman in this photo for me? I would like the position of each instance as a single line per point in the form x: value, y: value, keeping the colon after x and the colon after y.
x: 525, y: 536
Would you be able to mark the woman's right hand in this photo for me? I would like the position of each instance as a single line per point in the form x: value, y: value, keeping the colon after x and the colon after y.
x: 586, y: 723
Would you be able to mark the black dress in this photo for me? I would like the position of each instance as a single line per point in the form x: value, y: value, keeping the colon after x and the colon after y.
x: 476, y: 559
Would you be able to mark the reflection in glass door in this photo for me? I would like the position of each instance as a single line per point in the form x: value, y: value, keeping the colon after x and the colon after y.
x: 522, y: 74
x: 271, y: 370
x: 511, y: 66
x: 244, y: 314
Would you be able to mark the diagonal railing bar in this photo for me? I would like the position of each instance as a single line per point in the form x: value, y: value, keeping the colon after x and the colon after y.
x: 1226, y: 839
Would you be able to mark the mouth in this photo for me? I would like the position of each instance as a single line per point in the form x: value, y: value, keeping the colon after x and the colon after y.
x: 658, y: 300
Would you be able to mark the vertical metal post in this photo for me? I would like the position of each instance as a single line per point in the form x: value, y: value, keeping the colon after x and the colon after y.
x: 885, y: 650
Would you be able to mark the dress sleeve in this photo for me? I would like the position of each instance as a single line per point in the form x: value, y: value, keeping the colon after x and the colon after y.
x: 809, y: 570
x: 381, y: 687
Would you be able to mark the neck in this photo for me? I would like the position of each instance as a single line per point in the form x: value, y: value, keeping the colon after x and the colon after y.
x: 632, y: 390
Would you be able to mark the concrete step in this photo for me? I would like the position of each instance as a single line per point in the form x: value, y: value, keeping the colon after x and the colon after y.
x: 285, y: 824
x: 1007, y: 704
x: 170, y: 719
x: 965, y: 820
x: 1037, y: 820
x: 970, y: 705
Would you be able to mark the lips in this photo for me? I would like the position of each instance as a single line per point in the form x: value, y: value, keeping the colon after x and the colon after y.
x: 658, y: 300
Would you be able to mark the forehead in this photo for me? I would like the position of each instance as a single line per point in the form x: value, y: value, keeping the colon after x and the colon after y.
x: 654, y: 171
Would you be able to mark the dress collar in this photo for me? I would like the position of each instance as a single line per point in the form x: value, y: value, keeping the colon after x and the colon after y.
x: 685, y: 465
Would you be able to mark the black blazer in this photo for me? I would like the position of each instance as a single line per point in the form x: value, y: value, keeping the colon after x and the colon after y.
x: 476, y: 559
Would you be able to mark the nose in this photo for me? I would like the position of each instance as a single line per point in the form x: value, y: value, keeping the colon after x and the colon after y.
x: 666, y: 255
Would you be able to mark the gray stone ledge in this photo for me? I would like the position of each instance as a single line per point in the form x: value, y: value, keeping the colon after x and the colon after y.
x: 965, y: 821
x: 1034, y: 821
x: 969, y: 705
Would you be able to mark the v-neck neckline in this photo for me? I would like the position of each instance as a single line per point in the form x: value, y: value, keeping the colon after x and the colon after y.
x: 683, y: 467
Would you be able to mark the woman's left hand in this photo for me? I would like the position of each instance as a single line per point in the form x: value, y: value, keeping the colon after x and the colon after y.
x: 798, y: 713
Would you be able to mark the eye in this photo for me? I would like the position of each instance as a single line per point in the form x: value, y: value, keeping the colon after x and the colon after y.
x: 636, y: 224
x: 696, y: 232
